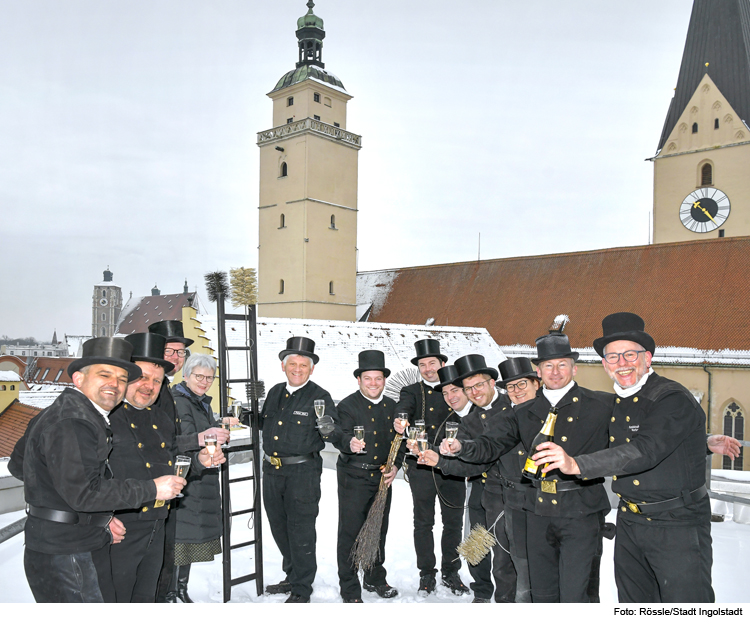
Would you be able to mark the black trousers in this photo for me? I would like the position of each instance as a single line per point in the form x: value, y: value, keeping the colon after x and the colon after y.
x: 291, y: 495
x: 503, y: 567
x: 424, y: 490
x: 136, y: 561
x: 84, y: 577
x: 561, y: 552
x: 663, y: 564
x: 356, y: 495
x: 166, y: 577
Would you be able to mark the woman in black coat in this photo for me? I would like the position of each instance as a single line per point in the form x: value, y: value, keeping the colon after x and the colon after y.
x: 198, y: 514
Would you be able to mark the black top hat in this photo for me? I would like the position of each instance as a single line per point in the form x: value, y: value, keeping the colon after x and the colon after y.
x: 470, y: 365
x: 372, y: 360
x: 300, y: 346
x: 553, y: 346
x: 149, y: 347
x: 516, y: 368
x: 427, y: 348
x: 172, y: 330
x: 448, y: 375
x: 114, y: 351
x: 624, y: 326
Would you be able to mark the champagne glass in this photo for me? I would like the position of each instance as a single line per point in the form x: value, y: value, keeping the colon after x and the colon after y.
x: 451, y: 430
x: 320, y: 407
x: 359, y: 434
x: 403, y: 418
x: 422, y: 441
x: 419, y: 424
x: 412, y: 433
x: 210, y: 442
x: 181, y: 467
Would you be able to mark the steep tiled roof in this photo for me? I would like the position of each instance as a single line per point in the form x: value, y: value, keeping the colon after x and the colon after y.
x: 13, y: 422
x: 718, y: 34
x: 138, y: 313
x: 692, y: 294
x: 49, y: 370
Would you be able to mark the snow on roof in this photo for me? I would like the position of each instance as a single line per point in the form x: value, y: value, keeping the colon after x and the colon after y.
x: 40, y: 396
x: 9, y: 375
x: 338, y: 343
x: 373, y: 287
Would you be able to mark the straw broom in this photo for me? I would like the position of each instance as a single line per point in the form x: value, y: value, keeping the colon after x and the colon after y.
x: 366, y: 548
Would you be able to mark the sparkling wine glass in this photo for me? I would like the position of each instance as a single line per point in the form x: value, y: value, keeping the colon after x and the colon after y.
x: 181, y: 467
x: 403, y: 418
x: 320, y: 408
x: 451, y: 430
x: 359, y: 434
x: 422, y: 441
x: 210, y: 442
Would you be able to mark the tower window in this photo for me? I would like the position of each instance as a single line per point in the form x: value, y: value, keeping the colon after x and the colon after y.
x: 721, y: 232
x: 716, y: 123
x: 282, y: 221
x: 316, y: 97
x: 104, y: 331
x: 707, y: 175
x: 734, y: 425
x: 333, y: 222
x: 289, y: 121
x: 695, y: 128
x: 104, y: 293
x: 281, y: 286
x: 104, y: 317
x: 284, y: 171
x: 336, y: 125
x: 290, y: 101
x: 330, y: 288
x: 317, y: 118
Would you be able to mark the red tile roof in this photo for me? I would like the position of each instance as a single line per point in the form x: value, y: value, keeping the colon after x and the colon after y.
x: 48, y: 368
x: 693, y: 294
x: 13, y: 422
x: 150, y: 309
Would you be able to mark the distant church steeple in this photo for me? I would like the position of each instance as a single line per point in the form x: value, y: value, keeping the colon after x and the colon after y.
x: 701, y: 186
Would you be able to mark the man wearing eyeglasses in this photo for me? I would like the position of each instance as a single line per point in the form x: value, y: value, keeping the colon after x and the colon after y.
x: 478, y: 383
x: 657, y: 457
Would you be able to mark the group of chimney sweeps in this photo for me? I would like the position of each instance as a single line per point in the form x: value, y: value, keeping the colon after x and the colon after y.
x: 98, y: 472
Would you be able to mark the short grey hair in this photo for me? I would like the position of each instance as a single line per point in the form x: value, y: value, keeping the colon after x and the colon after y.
x: 198, y: 361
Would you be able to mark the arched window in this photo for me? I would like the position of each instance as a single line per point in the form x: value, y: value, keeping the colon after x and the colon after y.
x: 282, y: 221
x: 2, y: 388
x: 695, y: 128
x: 104, y: 317
x: 104, y: 331
x: 734, y: 425
x: 707, y: 175
x: 333, y: 222
x: 281, y: 286
x: 12, y: 387
x: 104, y: 293
x: 330, y: 288
x: 284, y: 171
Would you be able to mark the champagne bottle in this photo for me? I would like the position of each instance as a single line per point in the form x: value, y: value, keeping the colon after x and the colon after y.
x: 546, y: 434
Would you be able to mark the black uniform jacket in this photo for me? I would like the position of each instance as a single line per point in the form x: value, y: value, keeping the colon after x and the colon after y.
x: 377, y: 419
x: 421, y: 401
x: 289, y: 423
x: 143, y: 448
x: 62, y: 460
x: 657, y: 449
x: 581, y: 427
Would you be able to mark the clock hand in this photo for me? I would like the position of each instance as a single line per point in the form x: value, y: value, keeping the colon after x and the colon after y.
x: 705, y: 212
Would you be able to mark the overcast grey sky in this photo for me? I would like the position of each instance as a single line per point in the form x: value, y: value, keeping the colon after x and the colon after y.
x: 128, y: 130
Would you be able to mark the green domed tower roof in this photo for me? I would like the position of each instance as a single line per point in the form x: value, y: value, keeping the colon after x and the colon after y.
x: 310, y: 34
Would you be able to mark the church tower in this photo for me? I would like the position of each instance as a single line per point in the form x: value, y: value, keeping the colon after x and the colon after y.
x: 702, y: 165
x: 106, y: 306
x: 307, y: 262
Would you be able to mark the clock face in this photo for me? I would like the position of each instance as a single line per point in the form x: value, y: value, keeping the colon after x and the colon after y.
x: 704, y: 210
x: 103, y: 302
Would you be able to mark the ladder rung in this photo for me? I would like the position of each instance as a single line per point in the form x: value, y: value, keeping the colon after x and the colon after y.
x: 252, y: 477
x: 243, y: 579
x: 239, y: 348
x: 244, y: 544
x: 236, y: 316
x: 239, y: 380
x: 243, y: 512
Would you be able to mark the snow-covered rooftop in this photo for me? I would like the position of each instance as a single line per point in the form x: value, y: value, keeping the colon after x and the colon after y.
x: 338, y: 343
x: 9, y: 375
